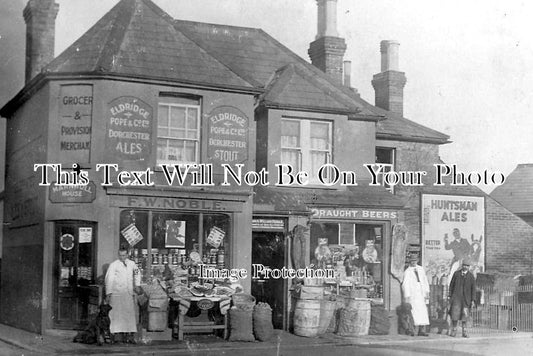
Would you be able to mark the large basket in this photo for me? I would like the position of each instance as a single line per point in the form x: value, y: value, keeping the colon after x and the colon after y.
x: 243, y: 301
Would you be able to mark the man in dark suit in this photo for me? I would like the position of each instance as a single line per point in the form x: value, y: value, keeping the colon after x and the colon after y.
x: 461, y: 296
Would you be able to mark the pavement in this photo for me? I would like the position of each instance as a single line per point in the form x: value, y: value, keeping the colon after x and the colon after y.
x: 59, y: 342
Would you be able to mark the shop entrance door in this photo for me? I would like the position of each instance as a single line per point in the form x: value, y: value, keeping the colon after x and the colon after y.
x: 73, y: 272
x: 268, y: 249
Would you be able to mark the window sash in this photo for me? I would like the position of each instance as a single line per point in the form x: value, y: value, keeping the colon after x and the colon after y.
x: 310, y: 147
x: 178, y: 136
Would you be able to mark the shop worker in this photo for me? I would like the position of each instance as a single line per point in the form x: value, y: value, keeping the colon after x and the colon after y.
x: 122, y: 280
x: 461, y: 296
x: 416, y: 292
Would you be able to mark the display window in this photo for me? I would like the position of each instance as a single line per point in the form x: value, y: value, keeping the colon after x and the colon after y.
x: 167, y: 239
x: 354, y: 250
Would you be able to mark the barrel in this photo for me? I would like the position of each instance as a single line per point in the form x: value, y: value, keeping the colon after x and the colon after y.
x: 307, y: 317
x: 327, y: 310
x: 354, y: 320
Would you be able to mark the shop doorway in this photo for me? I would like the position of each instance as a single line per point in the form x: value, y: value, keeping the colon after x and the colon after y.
x: 74, y: 261
x: 269, y: 249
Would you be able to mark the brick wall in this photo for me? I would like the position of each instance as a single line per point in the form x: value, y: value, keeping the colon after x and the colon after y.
x: 509, y: 239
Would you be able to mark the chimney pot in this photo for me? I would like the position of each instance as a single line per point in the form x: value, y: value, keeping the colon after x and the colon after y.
x: 390, y: 56
x: 347, y: 73
x: 327, y: 18
x: 40, y: 18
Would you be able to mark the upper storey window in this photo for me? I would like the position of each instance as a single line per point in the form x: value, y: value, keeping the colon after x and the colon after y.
x: 306, y: 145
x: 178, y: 130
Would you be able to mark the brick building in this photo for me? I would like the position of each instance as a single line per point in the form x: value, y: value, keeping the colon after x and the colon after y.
x: 139, y: 89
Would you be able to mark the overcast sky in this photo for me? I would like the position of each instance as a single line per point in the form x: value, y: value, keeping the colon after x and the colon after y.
x: 469, y: 64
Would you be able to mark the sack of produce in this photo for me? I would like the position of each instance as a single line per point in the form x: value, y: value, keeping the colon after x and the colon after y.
x: 243, y: 301
x: 241, y: 325
x: 262, y: 317
x: 379, y: 321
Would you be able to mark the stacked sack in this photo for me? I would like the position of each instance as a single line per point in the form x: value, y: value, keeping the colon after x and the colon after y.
x: 262, y: 318
x: 241, y: 318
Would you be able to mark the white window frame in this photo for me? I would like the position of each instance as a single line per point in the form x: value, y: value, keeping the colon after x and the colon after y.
x: 304, y: 149
x: 196, y: 140
x: 387, y: 167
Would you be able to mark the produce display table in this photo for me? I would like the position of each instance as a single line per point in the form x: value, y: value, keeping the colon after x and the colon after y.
x: 202, y: 322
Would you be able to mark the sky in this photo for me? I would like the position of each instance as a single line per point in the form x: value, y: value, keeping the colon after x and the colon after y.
x: 469, y: 64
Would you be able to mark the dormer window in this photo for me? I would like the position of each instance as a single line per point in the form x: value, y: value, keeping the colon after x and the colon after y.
x: 306, y: 145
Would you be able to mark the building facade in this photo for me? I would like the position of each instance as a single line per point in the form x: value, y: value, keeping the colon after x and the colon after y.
x: 141, y: 89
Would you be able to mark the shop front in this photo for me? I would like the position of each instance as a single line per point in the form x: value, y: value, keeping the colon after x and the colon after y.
x: 356, y: 243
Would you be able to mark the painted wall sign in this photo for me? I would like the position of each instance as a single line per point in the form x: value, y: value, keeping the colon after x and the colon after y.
x: 349, y: 214
x: 72, y: 193
x: 129, y: 129
x: 175, y: 203
x: 268, y: 224
x: 75, y: 119
x: 227, y: 138
x: 453, y: 228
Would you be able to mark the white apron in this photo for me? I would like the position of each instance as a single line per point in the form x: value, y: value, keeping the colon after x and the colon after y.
x: 415, y: 291
x: 122, y: 315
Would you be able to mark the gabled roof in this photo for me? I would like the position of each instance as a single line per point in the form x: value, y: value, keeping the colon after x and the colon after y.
x: 137, y: 39
x: 294, y: 86
x: 516, y: 194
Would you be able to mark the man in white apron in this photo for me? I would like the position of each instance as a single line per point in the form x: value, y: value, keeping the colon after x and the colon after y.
x: 416, y: 292
x: 121, y: 281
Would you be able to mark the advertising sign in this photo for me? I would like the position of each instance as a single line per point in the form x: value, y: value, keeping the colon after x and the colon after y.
x: 453, y: 229
x: 129, y: 129
x: 227, y: 141
x: 75, y: 118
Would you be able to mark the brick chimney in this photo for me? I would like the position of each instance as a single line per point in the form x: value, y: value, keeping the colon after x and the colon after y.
x: 388, y: 85
x: 40, y: 18
x: 327, y: 50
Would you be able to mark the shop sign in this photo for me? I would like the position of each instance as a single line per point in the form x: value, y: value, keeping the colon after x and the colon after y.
x: 268, y: 224
x: 129, y: 129
x: 227, y: 138
x: 349, y: 214
x: 72, y: 193
x: 453, y: 228
x: 175, y: 203
x: 75, y: 120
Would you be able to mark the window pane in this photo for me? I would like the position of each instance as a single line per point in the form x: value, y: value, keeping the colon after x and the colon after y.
x: 291, y: 157
x: 190, y: 151
x: 162, y: 131
x: 175, y: 150
x: 162, y: 118
x: 317, y: 159
x: 177, y: 133
x: 319, y: 136
x: 192, y: 117
x: 290, y: 130
x: 192, y: 134
x: 177, y: 117
x: 162, y: 153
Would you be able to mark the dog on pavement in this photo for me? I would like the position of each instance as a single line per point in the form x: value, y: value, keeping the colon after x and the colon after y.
x: 98, y: 329
x: 406, y: 324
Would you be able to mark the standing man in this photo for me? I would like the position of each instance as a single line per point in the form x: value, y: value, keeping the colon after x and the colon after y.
x: 461, y: 297
x: 460, y: 248
x: 416, y: 292
x: 121, y: 281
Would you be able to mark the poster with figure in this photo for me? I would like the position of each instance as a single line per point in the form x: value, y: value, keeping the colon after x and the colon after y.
x: 453, y: 229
